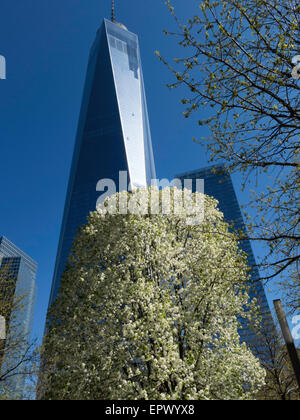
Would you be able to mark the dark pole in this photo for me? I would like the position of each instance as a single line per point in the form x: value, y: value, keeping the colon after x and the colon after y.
x: 288, y: 339
x: 113, y: 11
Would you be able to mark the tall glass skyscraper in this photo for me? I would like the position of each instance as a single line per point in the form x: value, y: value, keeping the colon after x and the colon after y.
x: 218, y: 184
x: 19, y: 270
x: 113, y: 132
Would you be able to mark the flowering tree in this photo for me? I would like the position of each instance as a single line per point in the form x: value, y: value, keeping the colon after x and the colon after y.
x: 148, y: 309
x: 240, y: 65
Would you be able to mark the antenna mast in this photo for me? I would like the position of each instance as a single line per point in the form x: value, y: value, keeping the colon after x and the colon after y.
x: 113, y: 11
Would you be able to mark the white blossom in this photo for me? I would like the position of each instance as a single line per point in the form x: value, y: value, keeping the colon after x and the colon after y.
x: 148, y: 309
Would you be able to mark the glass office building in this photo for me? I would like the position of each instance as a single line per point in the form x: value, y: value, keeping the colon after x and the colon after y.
x: 218, y: 184
x: 19, y: 270
x: 113, y: 132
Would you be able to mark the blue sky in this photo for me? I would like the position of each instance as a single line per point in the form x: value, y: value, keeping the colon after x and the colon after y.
x: 46, y: 45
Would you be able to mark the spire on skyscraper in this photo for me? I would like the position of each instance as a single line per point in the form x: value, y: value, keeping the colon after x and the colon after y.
x: 113, y: 11
x: 113, y: 16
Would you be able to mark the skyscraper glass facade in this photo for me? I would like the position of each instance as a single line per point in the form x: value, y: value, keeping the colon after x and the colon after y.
x: 113, y: 132
x: 20, y: 270
x: 218, y: 184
